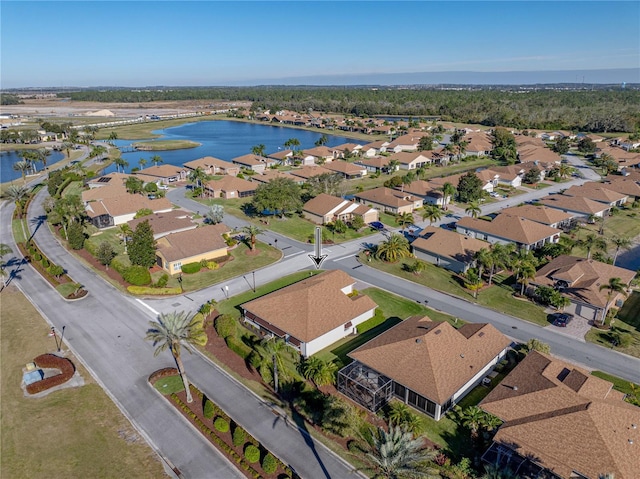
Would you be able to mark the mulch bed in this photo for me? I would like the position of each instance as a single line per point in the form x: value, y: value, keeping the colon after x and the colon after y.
x: 95, y: 264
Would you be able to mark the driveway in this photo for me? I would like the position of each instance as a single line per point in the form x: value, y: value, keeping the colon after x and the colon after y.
x: 577, y: 328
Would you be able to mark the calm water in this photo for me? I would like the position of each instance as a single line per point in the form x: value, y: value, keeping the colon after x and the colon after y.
x: 224, y: 140
x: 8, y: 158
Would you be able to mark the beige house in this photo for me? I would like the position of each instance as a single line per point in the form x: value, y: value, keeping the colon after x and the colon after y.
x: 230, y: 187
x: 347, y: 170
x: 580, y: 279
x: 192, y: 246
x: 325, y: 209
x: 311, y: 314
x: 447, y: 249
x: 560, y: 421
x: 426, y: 364
x: 253, y: 162
x: 389, y: 200
x: 597, y: 192
x: 162, y: 224
x: 505, y: 229
x: 213, y: 166
x: 410, y: 160
x: 162, y: 174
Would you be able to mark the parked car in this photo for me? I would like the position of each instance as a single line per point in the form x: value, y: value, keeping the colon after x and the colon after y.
x: 562, y: 319
x: 376, y: 225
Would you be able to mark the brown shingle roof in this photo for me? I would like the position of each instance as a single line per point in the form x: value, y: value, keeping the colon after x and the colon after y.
x: 231, y: 183
x: 449, y: 244
x: 574, y: 203
x: 163, y: 223
x: 585, y: 277
x: 209, y: 162
x: 595, y: 192
x: 385, y: 196
x: 540, y: 214
x: 566, y: 419
x: 341, y: 166
x: 432, y: 358
x: 126, y: 204
x: 307, y: 172
x: 312, y: 307
x: 512, y: 228
x: 161, y: 171
x: 186, y: 244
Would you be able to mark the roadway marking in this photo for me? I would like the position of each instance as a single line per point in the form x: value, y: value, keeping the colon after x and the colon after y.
x: 293, y: 254
x: 148, y: 307
x: 345, y: 257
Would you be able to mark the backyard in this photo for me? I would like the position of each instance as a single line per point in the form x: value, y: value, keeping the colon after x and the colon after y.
x: 73, y: 432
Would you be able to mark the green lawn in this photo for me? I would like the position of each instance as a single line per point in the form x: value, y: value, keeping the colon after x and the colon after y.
x: 20, y: 231
x: 73, y: 188
x: 73, y: 432
x: 498, y: 296
x: 630, y: 311
x: 603, y: 338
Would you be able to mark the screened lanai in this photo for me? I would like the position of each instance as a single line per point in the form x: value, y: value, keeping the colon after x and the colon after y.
x: 365, y: 386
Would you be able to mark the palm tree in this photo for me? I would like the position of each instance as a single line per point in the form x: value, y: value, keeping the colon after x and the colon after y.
x: 113, y: 136
x: 615, y: 287
x: 291, y: 143
x: 432, y: 213
x: 494, y: 471
x: 142, y: 162
x: 485, y: 260
x: 252, y: 231
x: 126, y: 232
x: 120, y: 163
x: 501, y: 258
x: 564, y: 170
x: 473, y: 209
x: 155, y: 159
x: 4, y: 250
x: 172, y: 331
x: 472, y: 418
x: 620, y: 242
x: 17, y: 194
x: 393, y: 248
x: 322, y: 140
x: 43, y: 154
x: 319, y: 372
x: 524, y: 271
x: 448, y: 191
x: 395, y: 453
x: 198, y: 176
x: 404, y: 219
x: 23, y: 167
x: 133, y: 185
x: 259, y: 150
x: 592, y: 242
x: 392, y: 166
x: 272, y: 352
x: 66, y: 146
x: 401, y: 415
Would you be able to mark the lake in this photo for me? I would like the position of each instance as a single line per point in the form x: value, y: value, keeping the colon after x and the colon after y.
x: 9, y: 158
x: 225, y: 140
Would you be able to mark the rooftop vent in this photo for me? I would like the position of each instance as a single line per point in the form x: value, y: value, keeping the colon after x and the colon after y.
x: 438, y: 331
x: 515, y: 388
x: 418, y: 340
x: 481, y: 334
x: 462, y: 355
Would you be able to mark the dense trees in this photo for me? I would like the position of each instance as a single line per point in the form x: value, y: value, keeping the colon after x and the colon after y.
x: 142, y: 249
x: 469, y: 188
x: 281, y: 196
x: 598, y: 110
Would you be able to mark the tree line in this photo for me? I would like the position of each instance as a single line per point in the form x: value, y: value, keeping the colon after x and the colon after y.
x: 598, y: 111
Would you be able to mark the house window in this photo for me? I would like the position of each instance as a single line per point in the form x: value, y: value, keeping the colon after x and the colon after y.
x: 177, y: 266
x: 399, y: 390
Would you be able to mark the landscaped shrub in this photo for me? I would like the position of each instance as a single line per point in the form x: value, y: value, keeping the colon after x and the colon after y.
x: 238, y: 347
x: 45, y: 263
x: 66, y: 367
x: 269, y: 464
x: 252, y: 453
x: 212, y: 265
x: 225, y: 325
x: 191, y: 268
x: 120, y: 264
x: 37, y: 257
x: 238, y: 436
x: 162, y: 281
x: 56, y: 270
x: 208, y: 409
x: 75, y: 235
x: 140, y: 290
x: 137, y: 275
x: 221, y: 425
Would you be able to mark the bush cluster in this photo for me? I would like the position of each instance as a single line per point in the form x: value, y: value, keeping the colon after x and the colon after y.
x: 162, y: 281
x: 191, y: 268
x: 252, y: 453
x: 209, y: 409
x: 237, y: 346
x: 66, y: 367
x: 140, y: 290
x: 137, y: 275
x: 221, y: 424
x: 225, y: 325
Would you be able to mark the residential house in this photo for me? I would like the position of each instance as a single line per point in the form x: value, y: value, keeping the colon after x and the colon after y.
x: 193, y: 246
x: 539, y: 155
x: 428, y: 191
x: 117, y: 210
x: 624, y: 158
x: 623, y: 185
x: 162, y: 224
x: 108, y: 180
x: 322, y: 154
x: 478, y: 144
x: 252, y: 162
x: 408, y: 142
x: 213, y: 166
x: 580, y: 280
x: 269, y: 175
x: 326, y: 310
x: 410, y: 160
x: 162, y: 174
x: 326, y: 208
x: 229, y: 187
x: 348, y: 170
x: 488, y: 178
x: 578, y: 206
x: 561, y: 422
x: 542, y: 214
x: 283, y: 157
x: 437, y: 156
x: 389, y: 200
x: 347, y: 149
x: 376, y: 164
x: 447, y: 249
x: 429, y: 365
x: 597, y: 192
x: 506, y: 229
x: 374, y: 148
x: 306, y: 172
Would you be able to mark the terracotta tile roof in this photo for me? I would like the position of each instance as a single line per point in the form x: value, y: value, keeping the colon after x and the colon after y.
x: 540, y: 214
x: 386, y: 196
x: 577, y: 204
x: 344, y: 167
x: 163, y: 223
x: 512, y: 228
x: 596, y: 192
x: 230, y: 183
x: 566, y: 419
x: 447, y: 358
x: 307, y: 172
x: 448, y: 244
x: 186, y: 244
x: 324, y: 204
x: 126, y: 204
x: 312, y: 307
x: 585, y: 276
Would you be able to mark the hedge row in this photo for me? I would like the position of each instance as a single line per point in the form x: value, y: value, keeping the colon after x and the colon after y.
x: 66, y: 367
x: 43, y: 265
x: 238, y: 347
x: 191, y: 268
x: 155, y: 291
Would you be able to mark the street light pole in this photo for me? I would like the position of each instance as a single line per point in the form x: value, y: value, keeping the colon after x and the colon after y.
x: 254, y: 281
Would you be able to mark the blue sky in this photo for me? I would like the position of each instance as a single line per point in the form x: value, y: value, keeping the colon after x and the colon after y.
x: 201, y: 43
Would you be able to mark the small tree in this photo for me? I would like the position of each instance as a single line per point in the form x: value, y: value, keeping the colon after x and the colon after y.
x: 214, y: 215
x: 76, y: 235
x: 357, y: 222
x: 142, y: 250
x: 105, y: 254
